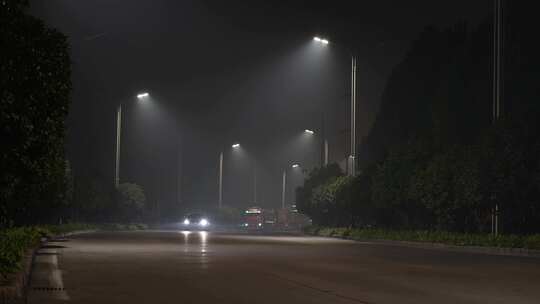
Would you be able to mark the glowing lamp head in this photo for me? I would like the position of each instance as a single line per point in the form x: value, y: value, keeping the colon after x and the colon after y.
x: 186, y: 222
x: 295, y: 166
x: 321, y: 40
x: 309, y: 131
x: 143, y: 95
x: 236, y: 145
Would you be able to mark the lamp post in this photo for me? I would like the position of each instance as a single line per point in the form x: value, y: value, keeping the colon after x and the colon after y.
x: 141, y: 97
x: 324, y: 158
x: 220, y: 176
x: 284, y: 184
x: 352, y: 156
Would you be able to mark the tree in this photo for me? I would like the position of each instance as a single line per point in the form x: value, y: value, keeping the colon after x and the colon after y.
x: 35, y: 85
x: 308, y: 196
x: 131, y: 201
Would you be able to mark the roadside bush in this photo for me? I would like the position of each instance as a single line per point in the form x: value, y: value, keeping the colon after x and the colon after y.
x: 123, y: 227
x: 442, y: 237
x: 13, y: 245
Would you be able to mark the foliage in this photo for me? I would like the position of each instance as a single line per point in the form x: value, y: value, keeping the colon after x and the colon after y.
x: 310, y: 198
x: 13, y: 245
x: 442, y: 237
x: 131, y: 200
x: 435, y: 159
x: 123, y: 227
x: 35, y: 85
x: 15, y: 242
x: 94, y: 200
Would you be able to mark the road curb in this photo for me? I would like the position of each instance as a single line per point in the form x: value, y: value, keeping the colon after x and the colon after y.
x: 15, y: 290
x: 501, y: 251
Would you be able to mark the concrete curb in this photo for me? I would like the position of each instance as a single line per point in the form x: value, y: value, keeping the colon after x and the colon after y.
x: 501, y: 251
x: 15, y: 291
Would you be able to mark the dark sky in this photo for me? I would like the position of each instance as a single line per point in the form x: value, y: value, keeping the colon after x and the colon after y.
x: 226, y: 71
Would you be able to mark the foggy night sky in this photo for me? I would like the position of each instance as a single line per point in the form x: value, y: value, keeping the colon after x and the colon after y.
x: 227, y: 71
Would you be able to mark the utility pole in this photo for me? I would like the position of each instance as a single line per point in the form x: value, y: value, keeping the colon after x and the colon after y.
x: 352, y: 171
x: 283, y: 186
x: 220, y: 180
x: 118, y: 132
x: 255, y: 185
x: 497, y: 88
x: 180, y: 172
x: 324, y: 142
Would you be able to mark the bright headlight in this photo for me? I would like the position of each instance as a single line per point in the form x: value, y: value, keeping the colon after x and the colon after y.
x: 186, y: 222
x: 203, y: 222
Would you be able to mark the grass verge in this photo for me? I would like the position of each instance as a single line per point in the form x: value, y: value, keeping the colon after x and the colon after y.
x: 442, y: 237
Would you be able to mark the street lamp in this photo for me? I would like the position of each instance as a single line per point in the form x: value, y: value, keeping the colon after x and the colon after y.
x: 141, y: 96
x: 352, y: 155
x: 220, y: 177
x: 320, y: 40
x: 324, y: 158
x: 284, y: 184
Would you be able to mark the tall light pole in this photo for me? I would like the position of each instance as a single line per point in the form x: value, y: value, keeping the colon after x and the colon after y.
x: 284, y: 184
x: 142, y: 97
x: 324, y: 158
x: 497, y: 88
x: 255, y: 185
x: 352, y: 156
x: 220, y: 176
x: 118, y: 134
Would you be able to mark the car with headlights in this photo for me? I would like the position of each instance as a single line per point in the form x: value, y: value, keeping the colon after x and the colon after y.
x: 195, y: 221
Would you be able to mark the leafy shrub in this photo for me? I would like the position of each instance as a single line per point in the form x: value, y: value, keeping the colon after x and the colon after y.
x: 442, y: 237
x: 124, y: 227
x: 13, y: 244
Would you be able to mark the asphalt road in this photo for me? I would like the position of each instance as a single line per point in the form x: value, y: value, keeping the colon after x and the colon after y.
x: 199, y: 267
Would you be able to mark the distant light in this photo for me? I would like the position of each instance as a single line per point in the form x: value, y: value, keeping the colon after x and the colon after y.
x: 321, y: 40
x: 143, y: 95
x: 295, y: 165
x: 186, y: 222
x: 204, y: 222
x: 309, y: 131
x: 260, y: 224
x: 236, y: 145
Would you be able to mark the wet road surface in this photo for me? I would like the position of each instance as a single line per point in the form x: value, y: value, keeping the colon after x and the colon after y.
x: 207, y: 267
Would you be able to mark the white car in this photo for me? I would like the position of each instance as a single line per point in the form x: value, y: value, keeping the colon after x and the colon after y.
x: 195, y: 221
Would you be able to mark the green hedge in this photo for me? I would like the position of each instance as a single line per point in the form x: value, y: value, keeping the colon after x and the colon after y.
x: 123, y: 227
x: 14, y: 242
x: 450, y: 238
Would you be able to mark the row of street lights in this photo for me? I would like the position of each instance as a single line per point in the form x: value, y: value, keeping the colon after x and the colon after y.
x: 351, y: 162
x: 284, y: 177
x: 143, y: 97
